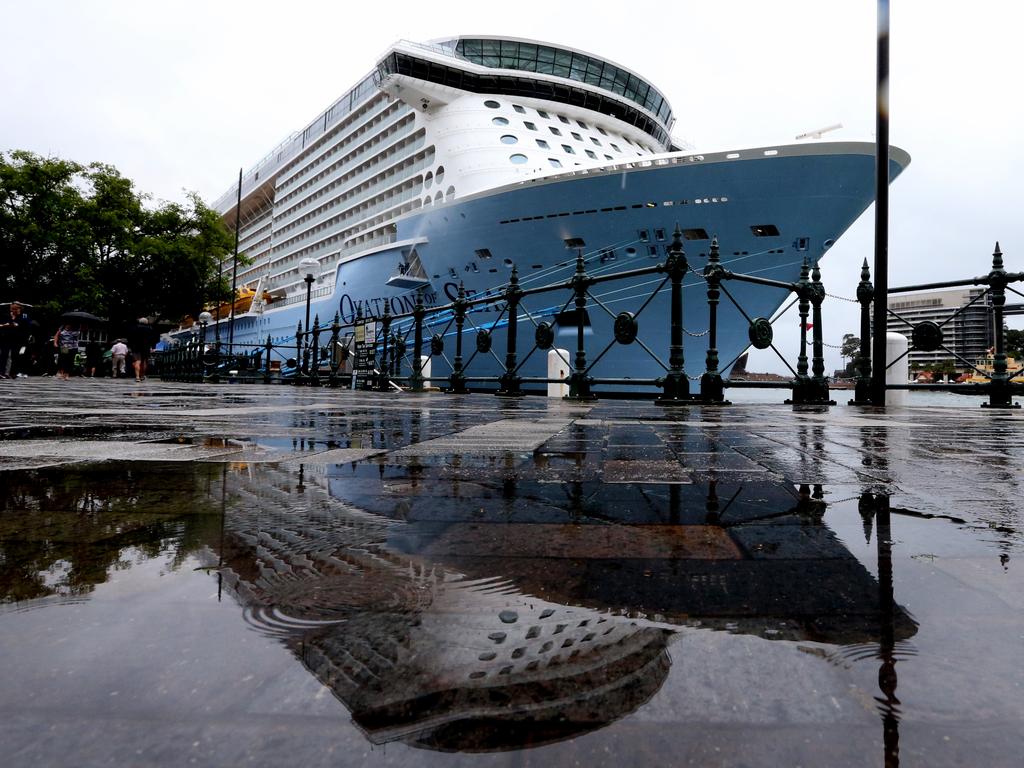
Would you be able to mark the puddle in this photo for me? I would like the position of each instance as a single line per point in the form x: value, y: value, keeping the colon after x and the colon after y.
x: 494, y: 604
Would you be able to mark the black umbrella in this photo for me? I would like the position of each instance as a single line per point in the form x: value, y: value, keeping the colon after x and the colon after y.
x: 81, y: 316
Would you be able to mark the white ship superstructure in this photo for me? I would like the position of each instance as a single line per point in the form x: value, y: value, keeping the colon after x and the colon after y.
x: 411, y: 134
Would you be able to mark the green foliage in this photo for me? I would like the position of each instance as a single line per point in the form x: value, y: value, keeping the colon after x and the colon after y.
x: 82, y: 237
x: 1015, y: 344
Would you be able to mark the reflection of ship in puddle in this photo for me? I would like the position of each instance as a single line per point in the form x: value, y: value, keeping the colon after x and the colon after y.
x: 466, y: 634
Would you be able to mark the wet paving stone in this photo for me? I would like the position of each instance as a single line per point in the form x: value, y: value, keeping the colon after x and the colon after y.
x: 240, y: 574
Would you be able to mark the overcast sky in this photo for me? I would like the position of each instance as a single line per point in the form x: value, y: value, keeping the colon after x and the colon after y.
x: 178, y: 96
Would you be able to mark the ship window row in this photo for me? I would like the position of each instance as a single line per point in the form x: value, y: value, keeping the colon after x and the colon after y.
x: 392, y: 123
x: 650, y: 204
x: 402, y: 125
x: 351, y: 165
x: 544, y: 59
x: 556, y: 131
x: 357, y: 124
x: 381, y: 201
x: 360, y: 182
x: 484, y: 83
x: 352, y: 178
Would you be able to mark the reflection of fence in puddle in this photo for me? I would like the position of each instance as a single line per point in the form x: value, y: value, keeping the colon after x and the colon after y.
x: 457, y: 632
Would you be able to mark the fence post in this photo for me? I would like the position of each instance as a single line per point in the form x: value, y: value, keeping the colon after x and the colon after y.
x: 509, y: 386
x: 999, y: 391
x: 332, y: 381
x: 457, y: 378
x: 418, y: 312
x: 865, y: 292
x: 819, y: 382
x: 397, y: 350
x: 385, y: 333
x: 675, y: 385
x: 712, y: 389
x: 298, y: 352
x: 314, y: 379
x: 266, y: 368
x: 801, y: 384
x: 579, y: 382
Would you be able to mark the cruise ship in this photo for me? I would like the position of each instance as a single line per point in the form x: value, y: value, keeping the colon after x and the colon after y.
x: 451, y: 163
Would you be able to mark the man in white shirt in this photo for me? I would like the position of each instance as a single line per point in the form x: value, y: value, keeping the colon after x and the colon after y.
x: 118, y: 353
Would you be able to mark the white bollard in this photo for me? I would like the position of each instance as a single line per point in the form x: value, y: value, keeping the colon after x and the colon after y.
x: 558, y: 368
x: 896, y: 344
x: 425, y: 369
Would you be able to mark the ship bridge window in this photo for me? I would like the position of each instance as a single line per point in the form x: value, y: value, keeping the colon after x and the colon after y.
x: 542, y: 144
x: 555, y: 162
x: 590, y: 154
x: 521, y: 110
x: 615, y: 147
x: 577, y: 136
x: 543, y: 114
x: 508, y: 138
x: 530, y: 126
x: 491, y: 104
x: 499, y: 120
x: 568, y: 150
x: 601, y: 130
x: 596, y: 141
x: 764, y: 230
x: 564, y: 119
x: 554, y: 130
x: 695, y: 233
x: 581, y: 124
x: 517, y: 159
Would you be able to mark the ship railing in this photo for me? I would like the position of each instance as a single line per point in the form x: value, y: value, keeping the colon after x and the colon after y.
x: 1001, y: 384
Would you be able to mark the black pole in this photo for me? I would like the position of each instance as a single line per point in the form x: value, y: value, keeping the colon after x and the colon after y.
x: 234, y: 267
x: 881, y: 270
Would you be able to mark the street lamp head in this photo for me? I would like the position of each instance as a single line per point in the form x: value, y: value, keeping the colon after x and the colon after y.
x: 308, y: 268
x: 205, y: 318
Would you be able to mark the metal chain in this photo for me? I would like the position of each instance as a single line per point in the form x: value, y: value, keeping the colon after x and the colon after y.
x: 841, y: 298
x: 696, y: 335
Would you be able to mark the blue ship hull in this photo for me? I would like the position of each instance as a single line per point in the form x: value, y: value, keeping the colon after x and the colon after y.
x: 769, y: 210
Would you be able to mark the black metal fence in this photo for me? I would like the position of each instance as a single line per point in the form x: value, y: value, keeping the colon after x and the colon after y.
x: 387, y: 353
x: 1000, y: 383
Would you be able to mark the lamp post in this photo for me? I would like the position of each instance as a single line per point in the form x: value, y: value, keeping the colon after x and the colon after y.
x: 308, y: 268
x: 204, y: 320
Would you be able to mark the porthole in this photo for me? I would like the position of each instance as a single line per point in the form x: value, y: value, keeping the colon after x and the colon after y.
x: 449, y: 193
x: 491, y: 104
x: 508, y: 263
x: 438, y: 197
x: 499, y: 120
x: 427, y: 201
x: 631, y: 251
x: 508, y: 138
x: 555, y: 162
x: 428, y: 180
x: 517, y: 159
x: 439, y: 176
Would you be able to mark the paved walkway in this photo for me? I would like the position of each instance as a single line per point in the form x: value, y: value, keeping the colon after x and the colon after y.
x: 964, y: 462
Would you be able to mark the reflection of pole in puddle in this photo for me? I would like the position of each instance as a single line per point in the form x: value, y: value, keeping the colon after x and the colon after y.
x: 887, y: 677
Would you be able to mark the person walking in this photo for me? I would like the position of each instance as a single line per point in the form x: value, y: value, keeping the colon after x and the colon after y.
x: 118, y: 354
x: 141, y: 340
x: 93, y: 357
x: 66, y: 341
x: 13, y: 337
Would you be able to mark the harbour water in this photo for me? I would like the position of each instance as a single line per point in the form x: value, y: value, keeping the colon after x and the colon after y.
x: 222, y: 575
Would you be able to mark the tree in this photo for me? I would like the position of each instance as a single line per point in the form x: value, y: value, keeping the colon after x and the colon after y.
x: 82, y: 237
x: 1015, y: 344
x: 849, y: 348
